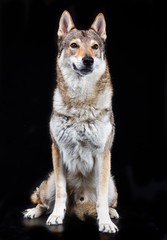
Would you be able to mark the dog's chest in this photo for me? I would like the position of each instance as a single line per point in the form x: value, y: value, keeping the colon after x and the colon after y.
x: 79, y: 139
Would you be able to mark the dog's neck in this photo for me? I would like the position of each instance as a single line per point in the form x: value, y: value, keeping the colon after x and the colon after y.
x: 82, y: 89
x: 83, y: 101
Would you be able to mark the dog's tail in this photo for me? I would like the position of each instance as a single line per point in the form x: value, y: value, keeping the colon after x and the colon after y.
x: 82, y: 210
x: 35, y: 197
x: 39, y: 195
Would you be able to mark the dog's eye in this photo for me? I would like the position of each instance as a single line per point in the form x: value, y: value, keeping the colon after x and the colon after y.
x: 74, y: 45
x: 95, y: 46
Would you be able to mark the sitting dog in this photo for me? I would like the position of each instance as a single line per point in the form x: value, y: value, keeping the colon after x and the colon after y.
x: 82, y: 130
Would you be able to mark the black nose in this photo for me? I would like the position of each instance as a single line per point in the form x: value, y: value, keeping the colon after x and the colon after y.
x: 88, y: 61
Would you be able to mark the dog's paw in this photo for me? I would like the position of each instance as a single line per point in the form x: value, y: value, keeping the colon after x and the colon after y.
x: 54, y: 219
x: 32, y: 213
x: 108, y: 227
x: 113, y: 213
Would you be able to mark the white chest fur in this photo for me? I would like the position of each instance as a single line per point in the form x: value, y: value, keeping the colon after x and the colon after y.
x: 80, y: 140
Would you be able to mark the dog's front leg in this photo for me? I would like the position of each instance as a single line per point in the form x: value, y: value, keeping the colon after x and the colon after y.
x: 102, y: 175
x: 58, y: 213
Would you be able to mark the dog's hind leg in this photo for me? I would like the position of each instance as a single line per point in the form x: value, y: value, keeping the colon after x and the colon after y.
x: 44, y: 198
x: 35, y: 212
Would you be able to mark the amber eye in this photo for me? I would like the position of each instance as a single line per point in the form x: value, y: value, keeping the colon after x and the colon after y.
x: 74, y: 45
x: 95, y: 46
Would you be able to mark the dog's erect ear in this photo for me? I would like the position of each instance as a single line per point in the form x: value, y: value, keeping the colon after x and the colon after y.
x: 65, y: 24
x: 99, y: 25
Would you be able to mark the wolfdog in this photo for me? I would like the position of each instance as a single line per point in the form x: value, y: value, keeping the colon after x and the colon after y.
x: 82, y: 131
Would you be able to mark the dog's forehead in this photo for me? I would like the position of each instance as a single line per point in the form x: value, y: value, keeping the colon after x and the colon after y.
x: 83, y: 36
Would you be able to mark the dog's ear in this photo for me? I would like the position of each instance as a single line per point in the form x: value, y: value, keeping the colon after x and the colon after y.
x: 65, y: 25
x: 99, y: 25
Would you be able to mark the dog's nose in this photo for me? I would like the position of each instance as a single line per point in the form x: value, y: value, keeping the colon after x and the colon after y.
x: 88, y: 61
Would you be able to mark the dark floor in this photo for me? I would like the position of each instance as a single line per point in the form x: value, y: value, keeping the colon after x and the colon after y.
x: 139, y: 220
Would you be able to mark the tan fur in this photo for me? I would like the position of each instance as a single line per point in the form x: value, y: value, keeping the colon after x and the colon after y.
x: 36, y: 198
x: 58, y: 169
x: 82, y: 210
x: 105, y: 172
x: 56, y: 160
x: 39, y: 195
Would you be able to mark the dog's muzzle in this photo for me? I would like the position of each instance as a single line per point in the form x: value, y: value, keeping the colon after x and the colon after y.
x: 86, y: 67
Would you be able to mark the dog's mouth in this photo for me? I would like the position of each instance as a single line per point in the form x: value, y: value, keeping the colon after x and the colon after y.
x: 84, y: 70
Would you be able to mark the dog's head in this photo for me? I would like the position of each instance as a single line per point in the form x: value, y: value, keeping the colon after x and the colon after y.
x: 81, y: 51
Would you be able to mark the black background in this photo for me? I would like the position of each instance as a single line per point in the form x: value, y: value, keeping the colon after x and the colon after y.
x: 136, y: 51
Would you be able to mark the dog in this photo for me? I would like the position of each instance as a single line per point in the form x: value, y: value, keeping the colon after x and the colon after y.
x: 82, y: 131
